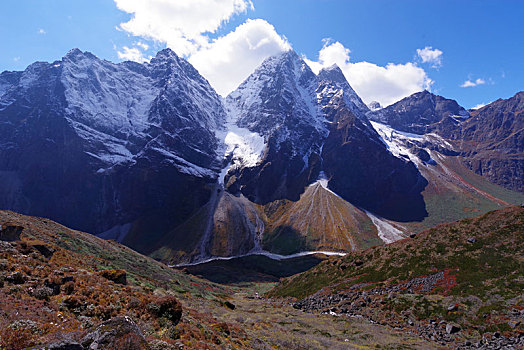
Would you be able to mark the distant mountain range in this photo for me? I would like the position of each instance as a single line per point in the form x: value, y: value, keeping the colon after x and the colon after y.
x: 149, y: 155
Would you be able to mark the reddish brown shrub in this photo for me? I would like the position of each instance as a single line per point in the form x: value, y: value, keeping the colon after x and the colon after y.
x: 167, y: 307
x: 117, y: 276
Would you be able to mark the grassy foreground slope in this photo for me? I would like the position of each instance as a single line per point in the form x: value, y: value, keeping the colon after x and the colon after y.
x: 60, y: 288
x: 470, y: 272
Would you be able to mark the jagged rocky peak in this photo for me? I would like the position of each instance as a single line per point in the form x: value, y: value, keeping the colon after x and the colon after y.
x: 165, y: 54
x: 133, y: 143
x: 374, y: 106
x: 76, y: 53
x: 334, y: 90
x: 279, y: 102
x: 332, y: 73
x: 421, y: 113
x: 279, y: 92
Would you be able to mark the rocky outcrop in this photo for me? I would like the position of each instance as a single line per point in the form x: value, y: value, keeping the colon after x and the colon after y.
x: 10, y: 233
x: 116, y: 333
x: 117, y: 276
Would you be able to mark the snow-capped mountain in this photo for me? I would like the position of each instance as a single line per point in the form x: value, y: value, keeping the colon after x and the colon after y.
x: 98, y: 145
x: 420, y: 113
x: 278, y: 102
x: 148, y: 154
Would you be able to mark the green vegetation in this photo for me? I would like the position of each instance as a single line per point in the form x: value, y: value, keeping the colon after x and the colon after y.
x: 491, y: 265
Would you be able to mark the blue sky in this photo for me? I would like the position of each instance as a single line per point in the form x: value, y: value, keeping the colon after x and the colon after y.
x: 481, y: 42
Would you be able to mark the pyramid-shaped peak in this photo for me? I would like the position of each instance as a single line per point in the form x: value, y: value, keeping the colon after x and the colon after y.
x: 288, y: 59
x: 76, y: 54
x: 332, y: 73
x: 166, y: 53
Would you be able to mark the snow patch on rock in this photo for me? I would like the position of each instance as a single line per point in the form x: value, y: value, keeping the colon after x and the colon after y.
x: 386, y: 231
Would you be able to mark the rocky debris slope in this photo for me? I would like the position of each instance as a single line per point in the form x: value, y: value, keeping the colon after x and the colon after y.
x: 458, y: 283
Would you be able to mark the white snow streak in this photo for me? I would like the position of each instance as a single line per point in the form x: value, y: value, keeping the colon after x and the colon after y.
x: 387, y: 232
x: 243, y: 146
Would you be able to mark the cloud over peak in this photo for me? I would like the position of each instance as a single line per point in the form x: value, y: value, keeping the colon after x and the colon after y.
x: 373, y: 82
x: 473, y: 83
x: 184, y: 26
x: 230, y: 59
x: 179, y: 24
x: 430, y: 56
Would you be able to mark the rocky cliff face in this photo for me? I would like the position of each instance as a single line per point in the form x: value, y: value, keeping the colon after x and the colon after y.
x: 97, y: 145
x: 493, y: 142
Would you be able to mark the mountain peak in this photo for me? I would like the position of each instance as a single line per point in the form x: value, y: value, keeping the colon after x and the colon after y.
x: 289, y: 59
x: 76, y: 53
x: 332, y: 73
x: 165, y: 55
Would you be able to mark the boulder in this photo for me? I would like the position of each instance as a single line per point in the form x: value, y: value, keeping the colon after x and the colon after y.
x: 117, y: 276
x: 452, y: 328
x: 10, y: 233
x: 60, y: 345
x: 229, y: 305
x: 116, y: 333
x: 16, y: 278
x: 167, y: 307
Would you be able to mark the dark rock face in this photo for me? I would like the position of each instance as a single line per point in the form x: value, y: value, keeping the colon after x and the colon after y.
x: 10, y: 233
x: 493, y: 142
x: 96, y: 145
x: 318, y: 123
x: 359, y: 167
x: 421, y: 113
x: 278, y: 102
x: 490, y: 140
x: 116, y: 333
x: 363, y: 172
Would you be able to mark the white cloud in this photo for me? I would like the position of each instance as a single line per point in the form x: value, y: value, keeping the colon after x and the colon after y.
x: 184, y: 26
x: 373, y: 82
x: 16, y: 59
x: 41, y: 31
x: 230, y: 59
x: 131, y: 54
x: 430, y: 56
x: 181, y: 24
x: 479, y: 106
x: 143, y: 45
x: 473, y: 83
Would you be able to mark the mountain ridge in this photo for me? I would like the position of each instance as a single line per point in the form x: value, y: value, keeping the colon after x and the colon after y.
x: 150, y: 155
